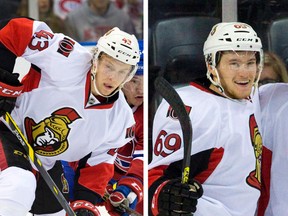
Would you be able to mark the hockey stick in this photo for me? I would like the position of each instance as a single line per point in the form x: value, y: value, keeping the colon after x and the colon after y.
x: 10, y: 123
x: 130, y: 211
x: 171, y: 96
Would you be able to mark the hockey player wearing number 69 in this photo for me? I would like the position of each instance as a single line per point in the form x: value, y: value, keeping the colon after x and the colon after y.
x: 70, y: 109
x: 226, y: 144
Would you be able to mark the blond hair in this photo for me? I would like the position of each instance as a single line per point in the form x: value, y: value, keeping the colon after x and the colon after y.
x: 273, y: 60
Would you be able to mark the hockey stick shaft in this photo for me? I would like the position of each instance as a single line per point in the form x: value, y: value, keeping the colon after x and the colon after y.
x: 130, y: 211
x: 167, y: 91
x: 10, y: 123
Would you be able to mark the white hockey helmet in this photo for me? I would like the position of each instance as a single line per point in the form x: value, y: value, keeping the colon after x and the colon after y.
x: 232, y: 36
x: 121, y: 46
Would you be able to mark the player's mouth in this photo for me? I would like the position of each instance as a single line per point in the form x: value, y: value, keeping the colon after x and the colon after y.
x: 242, y: 83
x: 139, y: 97
x: 108, y: 87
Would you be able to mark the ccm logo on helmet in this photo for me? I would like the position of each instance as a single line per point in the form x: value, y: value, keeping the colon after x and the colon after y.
x: 124, y: 53
x: 244, y: 39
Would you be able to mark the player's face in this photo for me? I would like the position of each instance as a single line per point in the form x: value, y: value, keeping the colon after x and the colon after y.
x: 110, y: 74
x: 133, y: 91
x: 237, y: 72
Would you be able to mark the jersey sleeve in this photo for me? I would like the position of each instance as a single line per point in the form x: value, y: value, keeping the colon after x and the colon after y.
x: 58, y: 57
x: 92, y: 175
x: 24, y: 37
x: 16, y: 34
x: 13, y: 40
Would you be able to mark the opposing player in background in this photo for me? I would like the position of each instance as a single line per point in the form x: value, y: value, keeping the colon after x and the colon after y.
x: 226, y: 143
x: 70, y: 109
x: 128, y: 174
x: 274, y: 108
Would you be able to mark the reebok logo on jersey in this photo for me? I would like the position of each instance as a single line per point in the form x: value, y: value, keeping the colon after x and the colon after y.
x: 172, y: 114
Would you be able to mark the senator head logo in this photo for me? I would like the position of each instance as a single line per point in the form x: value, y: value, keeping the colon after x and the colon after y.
x: 49, y: 136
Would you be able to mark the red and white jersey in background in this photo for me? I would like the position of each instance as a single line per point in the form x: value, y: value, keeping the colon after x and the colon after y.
x: 62, y: 7
x: 274, y: 106
x: 59, y: 116
x: 129, y: 158
x: 226, y: 151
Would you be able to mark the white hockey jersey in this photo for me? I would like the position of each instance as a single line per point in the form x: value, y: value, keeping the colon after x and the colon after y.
x: 225, y: 132
x: 59, y: 116
x: 274, y: 106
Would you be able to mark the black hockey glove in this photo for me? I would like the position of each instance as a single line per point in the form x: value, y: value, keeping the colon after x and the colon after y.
x: 176, y: 199
x: 10, y: 89
x: 84, y: 208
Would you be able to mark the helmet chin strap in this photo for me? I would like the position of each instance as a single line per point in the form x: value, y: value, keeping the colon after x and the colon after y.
x: 260, y: 68
x: 93, y: 77
x: 217, y: 84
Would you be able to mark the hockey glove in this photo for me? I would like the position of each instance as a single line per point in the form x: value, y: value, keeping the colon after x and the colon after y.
x: 174, y: 198
x: 127, y: 193
x: 84, y: 208
x: 10, y: 89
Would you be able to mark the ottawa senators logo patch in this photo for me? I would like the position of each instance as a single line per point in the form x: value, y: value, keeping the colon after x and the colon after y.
x: 254, y: 178
x: 66, y: 46
x: 49, y: 136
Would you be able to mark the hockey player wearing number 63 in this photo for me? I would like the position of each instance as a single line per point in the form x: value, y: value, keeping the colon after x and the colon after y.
x: 70, y: 109
x: 226, y: 143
